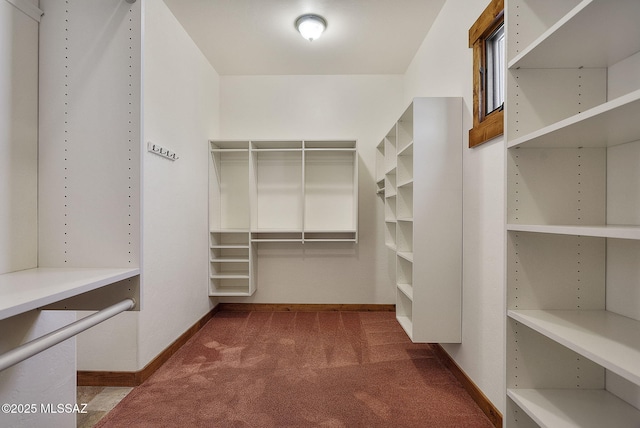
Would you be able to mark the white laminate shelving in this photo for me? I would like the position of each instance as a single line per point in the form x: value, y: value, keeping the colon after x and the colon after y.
x: 380, y: 170
x: 231, y: 263
x: 276, y: 191
x: 30, y: 289
x: 604, y: 231
x: 587, y: 408
x: 422, y: 171
x: 600, y: 126
x: 578, y: 39
x: 74, y: 203
x: 606, y: 338
x: 573, y: 214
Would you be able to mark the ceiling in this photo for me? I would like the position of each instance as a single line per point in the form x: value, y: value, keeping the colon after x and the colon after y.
x: 257, y: 37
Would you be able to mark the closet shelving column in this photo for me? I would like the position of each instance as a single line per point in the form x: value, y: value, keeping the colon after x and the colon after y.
x: 404, y: 221
x: 330, y: 191
x: 423, y: 206
x: 390, y: 190
x: 231, y: 254
x: 380, y: 171
x: 573, y: 168
x: 277, y: 191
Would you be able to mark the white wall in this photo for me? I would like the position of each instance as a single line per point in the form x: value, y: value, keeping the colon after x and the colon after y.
x: 180, y: 103
x: 50, y: 376
x: 298, y: 107
x: 443, y: 67
x: 180, y: 113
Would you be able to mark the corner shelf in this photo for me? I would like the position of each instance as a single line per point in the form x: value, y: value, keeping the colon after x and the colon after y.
x: 602, y: 231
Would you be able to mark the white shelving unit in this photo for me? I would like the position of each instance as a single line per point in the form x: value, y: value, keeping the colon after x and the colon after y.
x: 231, y: 260
x: 296, y: 191
x: 420, y: 163
x: 573, y: 220
x: 87, y: 252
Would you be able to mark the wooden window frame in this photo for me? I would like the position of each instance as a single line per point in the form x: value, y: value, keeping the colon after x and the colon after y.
x: 485, y: 126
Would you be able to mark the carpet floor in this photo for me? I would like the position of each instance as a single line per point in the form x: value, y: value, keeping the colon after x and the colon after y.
x: 300, y: 369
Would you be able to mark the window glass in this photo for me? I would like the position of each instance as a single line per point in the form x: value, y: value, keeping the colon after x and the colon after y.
x: 494, y: 83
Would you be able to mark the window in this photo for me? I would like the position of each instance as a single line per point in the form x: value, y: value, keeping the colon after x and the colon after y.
x: 494, y: 71
x: 486, y: 37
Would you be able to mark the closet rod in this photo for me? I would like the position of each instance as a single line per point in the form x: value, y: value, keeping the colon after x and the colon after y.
x: 42, y: 343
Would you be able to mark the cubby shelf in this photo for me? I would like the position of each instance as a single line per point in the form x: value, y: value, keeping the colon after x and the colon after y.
x: 573, y: 216
x: 601, y: 126
x: 423, y: 222
x: 606, y: 338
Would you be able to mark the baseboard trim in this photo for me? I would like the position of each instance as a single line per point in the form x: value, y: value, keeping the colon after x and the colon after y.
x: 111, y: 378
x: 476, y: 394
x: 303, y: 307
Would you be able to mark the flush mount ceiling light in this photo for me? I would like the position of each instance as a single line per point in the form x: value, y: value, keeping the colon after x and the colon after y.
x: 311, y: 26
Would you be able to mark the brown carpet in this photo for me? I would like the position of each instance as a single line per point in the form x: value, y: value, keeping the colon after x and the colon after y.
x: 300, y: 369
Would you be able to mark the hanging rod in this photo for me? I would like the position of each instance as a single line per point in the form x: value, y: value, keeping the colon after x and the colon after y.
x: 42, y: 343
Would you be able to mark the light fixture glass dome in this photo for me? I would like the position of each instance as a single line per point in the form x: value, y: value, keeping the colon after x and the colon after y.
x: 311, y: 26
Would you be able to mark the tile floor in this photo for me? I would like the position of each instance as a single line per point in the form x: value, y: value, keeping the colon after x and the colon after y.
x: 100, y: 400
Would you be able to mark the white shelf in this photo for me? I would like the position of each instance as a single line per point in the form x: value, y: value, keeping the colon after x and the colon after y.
x: 276, y: 145
x: 228, y: 150
x: 228, y: 276
x: 275, y: 230
x: 277, y: 150
x: 229, y: 292
x: 277, y: 240
x: 605, y: 125
x: 406, y: 289
x: 608, y: 339
x: 580, y: 408
x: 329, y: 240
x: 229, y: 145
x: 228, y: 260
x: 408, y: 256
x: 406, y: 324
x: 593, y: 34
x: 605, y: 231
x: 407, y: 150
x: 30, y: 289
x: 330, y: 145
x: 407, y: 183
x: 329, y: 231
x: 328, y: 149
